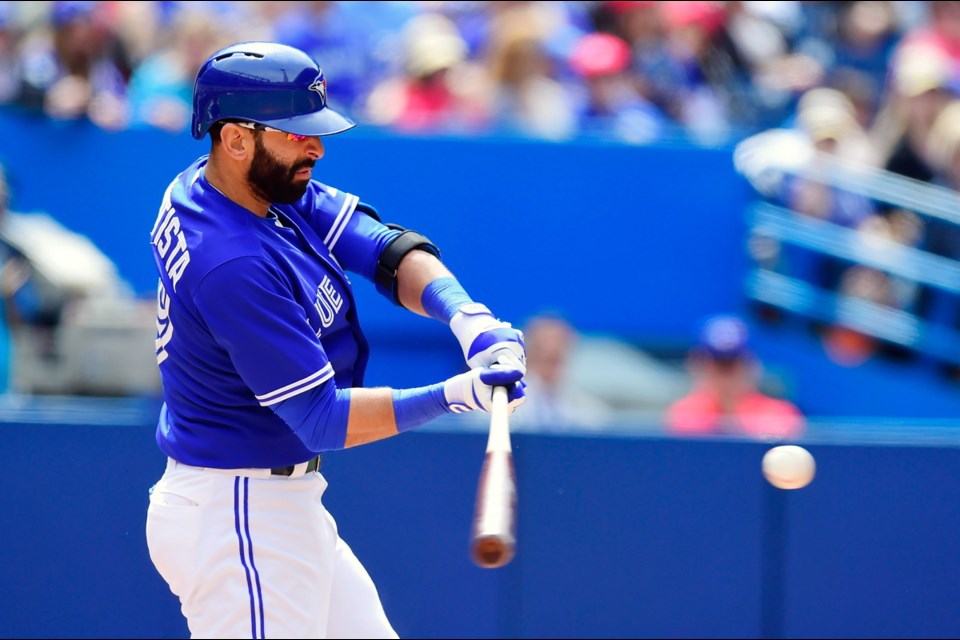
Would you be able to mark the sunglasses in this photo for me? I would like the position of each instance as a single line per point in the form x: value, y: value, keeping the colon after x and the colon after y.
x: 293, y: 137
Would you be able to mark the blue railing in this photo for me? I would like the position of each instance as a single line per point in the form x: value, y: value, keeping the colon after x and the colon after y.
x: 767, y: 160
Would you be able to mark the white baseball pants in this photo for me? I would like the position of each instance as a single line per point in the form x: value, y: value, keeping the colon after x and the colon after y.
x: 252, y: 555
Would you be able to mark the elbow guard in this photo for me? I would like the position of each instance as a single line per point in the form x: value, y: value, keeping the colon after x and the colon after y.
x: 388, y: 263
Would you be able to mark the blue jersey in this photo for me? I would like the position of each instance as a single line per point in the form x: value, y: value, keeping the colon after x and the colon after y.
x: 251, y: 312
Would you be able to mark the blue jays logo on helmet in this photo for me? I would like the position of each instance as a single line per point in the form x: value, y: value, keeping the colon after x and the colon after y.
x: 320, y: 86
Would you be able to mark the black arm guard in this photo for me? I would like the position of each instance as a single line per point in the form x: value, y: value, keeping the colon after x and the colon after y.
x: 389, y: 261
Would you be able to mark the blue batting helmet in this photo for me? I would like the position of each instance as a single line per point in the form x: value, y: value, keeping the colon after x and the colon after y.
x: 273, y: 84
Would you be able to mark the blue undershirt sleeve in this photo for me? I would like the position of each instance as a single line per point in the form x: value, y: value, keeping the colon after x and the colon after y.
x: 414, y: 407
x: 318, y: 416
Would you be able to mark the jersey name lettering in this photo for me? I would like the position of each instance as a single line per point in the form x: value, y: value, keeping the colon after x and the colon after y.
x: 172, y: 246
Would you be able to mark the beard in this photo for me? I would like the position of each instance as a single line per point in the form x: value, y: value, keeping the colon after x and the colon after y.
x: 273, y: 181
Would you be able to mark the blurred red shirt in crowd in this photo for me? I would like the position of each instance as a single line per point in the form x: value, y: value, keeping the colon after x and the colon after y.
x: 725, y: 398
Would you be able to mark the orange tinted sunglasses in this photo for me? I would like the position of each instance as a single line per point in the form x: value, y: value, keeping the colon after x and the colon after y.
x: 293, y: 137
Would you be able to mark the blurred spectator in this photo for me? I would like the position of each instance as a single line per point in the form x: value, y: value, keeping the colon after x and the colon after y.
x: 565, y: 21
x: 161, y: 88
x: 942, y: 237
x: 356, y: 43
x: 436, y: 90
x: 554, y: 401
x: 525, y: 96
x: 827, y: 123
x: 747, y: 61
x: 923, y: 82
x: 653, y: 71
x: 726, y: 398
x: 829, y: 119
x: 943, y: 153
x: 750, y: 56
x: 691, y: 29
x: 76, y: 68
x: 866, y: 35
x: 139, y: 27
x: 9, y: 62
x: 612, y: 106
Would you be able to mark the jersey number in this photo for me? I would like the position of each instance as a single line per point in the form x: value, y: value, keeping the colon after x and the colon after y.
x: 164, y: 326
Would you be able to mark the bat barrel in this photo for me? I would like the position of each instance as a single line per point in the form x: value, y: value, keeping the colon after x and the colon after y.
x: 493, y: 539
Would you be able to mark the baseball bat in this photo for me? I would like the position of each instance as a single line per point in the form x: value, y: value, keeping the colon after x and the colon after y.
x: 493, y: 536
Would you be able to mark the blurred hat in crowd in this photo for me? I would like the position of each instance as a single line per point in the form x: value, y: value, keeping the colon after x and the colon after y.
x: 919, y: 68
x: 431, y: 43
x: 826, y: 113
x: 724, y: 337
x: 599, y: 54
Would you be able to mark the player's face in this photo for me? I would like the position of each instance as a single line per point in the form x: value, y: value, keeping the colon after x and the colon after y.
x: 275, y: 180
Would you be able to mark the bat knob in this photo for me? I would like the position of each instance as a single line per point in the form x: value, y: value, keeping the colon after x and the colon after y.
x: 491, y: 552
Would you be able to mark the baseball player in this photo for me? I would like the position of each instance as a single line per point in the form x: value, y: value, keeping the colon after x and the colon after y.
x: 262, y: 357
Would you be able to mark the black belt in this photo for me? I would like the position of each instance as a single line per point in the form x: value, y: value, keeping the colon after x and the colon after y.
x: 312, y: 465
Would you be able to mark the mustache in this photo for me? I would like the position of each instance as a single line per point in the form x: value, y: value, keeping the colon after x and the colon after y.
x: 306, y: 164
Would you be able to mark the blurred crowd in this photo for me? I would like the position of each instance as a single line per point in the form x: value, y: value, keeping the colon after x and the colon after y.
x: 634, y: 71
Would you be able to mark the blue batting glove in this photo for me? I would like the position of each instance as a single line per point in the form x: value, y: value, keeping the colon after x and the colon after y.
x: 487, y: 341
x: 474, y: 389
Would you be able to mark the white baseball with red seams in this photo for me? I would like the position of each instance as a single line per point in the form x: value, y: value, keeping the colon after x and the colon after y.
x: 789, y: 466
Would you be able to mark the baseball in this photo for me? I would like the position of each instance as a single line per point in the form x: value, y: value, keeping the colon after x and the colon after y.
x: 789, y: 467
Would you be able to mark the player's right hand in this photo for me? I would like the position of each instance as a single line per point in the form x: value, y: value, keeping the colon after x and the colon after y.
x: 487, y: 341
x: 474, y: 389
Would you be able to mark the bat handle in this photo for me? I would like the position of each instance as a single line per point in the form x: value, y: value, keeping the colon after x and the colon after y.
x: 499, y: 439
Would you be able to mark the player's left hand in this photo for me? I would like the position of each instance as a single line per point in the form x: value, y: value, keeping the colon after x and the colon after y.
x: 487, y: 341
x: 473, y: 390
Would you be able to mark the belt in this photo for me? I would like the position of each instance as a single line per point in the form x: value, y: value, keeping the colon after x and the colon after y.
x: 303, y: 468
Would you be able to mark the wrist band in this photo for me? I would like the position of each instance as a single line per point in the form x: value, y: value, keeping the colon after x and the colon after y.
x: 414, y: 407
x: 443, y: 297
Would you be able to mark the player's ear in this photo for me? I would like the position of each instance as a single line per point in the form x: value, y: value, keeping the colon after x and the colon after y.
x: 236, y: 141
